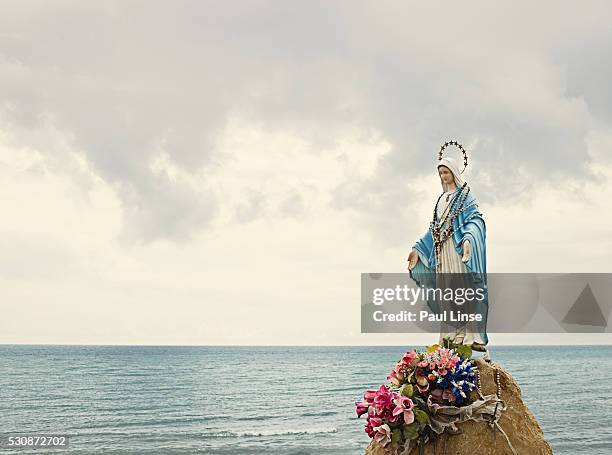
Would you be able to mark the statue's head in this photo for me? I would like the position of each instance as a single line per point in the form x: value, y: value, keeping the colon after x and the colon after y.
x: 448, y: 170
x: 446, y: 176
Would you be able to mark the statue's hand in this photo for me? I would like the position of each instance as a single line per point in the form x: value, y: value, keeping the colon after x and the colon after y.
x: 467, y: 251
x: 413, y: 257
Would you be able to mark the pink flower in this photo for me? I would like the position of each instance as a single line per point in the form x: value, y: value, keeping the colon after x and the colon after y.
x: 409, y: 358
x: 383, y: 398
x: 394, y: 378
x: 404, y: 406
x: 383, y: 434
x: 421, y: 377
x: 375, y: 421
x: 423, y: 389
x: 369, y: 430
x: 369, y: 395
x: 362, y: 408
x: 401, y: 368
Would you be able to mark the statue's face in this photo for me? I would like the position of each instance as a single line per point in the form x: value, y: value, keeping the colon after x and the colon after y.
x: 445, y: 175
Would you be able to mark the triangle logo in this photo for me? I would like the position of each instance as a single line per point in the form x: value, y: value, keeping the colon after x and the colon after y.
x: 586, y: 310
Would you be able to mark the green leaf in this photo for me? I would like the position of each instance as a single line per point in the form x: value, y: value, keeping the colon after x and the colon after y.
x: 421, y: 416
x: 407, y: 390
x: 433, y: 347
x: 465, y: 351
x: 421, y: 402
x: 396, y: 436
x: 411, y: 431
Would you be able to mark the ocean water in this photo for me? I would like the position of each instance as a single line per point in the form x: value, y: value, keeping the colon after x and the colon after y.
x: 260, y: 400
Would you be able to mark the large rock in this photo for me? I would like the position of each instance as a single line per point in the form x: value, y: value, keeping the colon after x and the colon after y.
x: 477, y: 438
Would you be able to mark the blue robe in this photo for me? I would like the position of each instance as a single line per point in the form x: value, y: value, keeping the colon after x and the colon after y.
x: 468, y: 225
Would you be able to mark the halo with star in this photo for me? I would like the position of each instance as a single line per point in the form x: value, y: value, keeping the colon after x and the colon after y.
x: 446, y: 144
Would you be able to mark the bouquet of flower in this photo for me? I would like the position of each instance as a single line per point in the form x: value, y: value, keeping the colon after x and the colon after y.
x: 398, y: 412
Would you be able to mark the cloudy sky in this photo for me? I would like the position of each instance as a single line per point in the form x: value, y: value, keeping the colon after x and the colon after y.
x: 223, y: 172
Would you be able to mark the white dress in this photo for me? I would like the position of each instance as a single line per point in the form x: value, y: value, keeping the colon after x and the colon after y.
x: 450, y: 262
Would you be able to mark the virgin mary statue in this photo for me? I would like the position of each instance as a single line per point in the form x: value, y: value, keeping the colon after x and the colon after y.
x: 454, y: 244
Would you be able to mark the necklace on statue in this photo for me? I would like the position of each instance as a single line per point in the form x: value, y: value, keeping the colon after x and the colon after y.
x: 449, y: 194
x: 442, y: 229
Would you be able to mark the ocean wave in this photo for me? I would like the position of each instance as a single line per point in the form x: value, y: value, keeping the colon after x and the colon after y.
x: 319, y: 413
x: 266, y: 433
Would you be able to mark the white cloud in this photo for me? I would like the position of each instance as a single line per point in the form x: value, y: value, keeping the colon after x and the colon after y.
x: 124, y: 82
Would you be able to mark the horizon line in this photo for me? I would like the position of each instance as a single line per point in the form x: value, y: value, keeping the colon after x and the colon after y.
x: 287, y: 345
